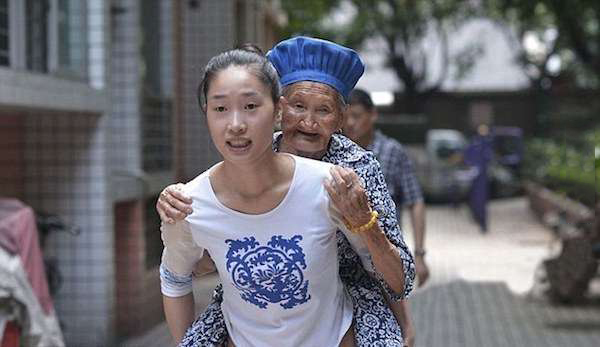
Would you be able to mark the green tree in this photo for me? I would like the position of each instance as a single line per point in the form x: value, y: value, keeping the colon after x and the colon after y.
x: 403, y: 26
x: 568, y: 33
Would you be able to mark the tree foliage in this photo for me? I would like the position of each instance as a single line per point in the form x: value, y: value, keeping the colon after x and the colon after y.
x: 402, y: 25
x: 567, y: 31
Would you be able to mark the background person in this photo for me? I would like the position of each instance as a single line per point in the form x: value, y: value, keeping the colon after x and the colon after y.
x: 397, y: 168
x: 479, y: 154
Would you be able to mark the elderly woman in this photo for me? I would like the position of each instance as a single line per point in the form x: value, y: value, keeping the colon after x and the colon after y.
x: 317, y: 77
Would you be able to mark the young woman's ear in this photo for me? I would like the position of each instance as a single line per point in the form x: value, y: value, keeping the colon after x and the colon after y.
x: 282, y: 102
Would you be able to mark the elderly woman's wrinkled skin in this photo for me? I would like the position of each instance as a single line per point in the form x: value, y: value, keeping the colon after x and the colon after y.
x: 311, y: 114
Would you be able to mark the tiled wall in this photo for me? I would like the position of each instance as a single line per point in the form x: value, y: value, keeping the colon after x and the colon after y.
x: 167, y: 47
x: 141, y: 122
x: 125, y: 137
x: 12, y: 163
x: 138, y: 290
x: 157, y: 110
x: 140, y: 143
x: 207, y: 30
x: 65, y: 174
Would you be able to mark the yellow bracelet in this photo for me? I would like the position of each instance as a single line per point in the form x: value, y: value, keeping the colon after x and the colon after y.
x: 367, y: 225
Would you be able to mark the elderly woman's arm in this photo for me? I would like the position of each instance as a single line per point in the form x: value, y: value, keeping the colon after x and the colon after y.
x: 390, y: 257
x: 173, y: 204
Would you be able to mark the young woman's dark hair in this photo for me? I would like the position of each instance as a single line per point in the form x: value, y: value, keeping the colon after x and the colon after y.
x: 361, y: 97
x: 255, y: 62
x: 250, y: 47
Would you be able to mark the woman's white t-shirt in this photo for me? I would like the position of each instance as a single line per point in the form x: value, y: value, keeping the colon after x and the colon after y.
x: 279, y: 269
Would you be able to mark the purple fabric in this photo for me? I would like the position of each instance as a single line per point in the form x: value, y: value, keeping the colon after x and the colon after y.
x: 479, y: 154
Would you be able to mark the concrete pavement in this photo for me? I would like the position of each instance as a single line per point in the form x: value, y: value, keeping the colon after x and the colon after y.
x: 478, y: 293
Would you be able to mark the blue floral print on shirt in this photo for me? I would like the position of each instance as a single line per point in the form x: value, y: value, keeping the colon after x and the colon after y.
x: 268, y: 274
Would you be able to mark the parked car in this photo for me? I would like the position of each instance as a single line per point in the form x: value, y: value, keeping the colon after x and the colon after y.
x: 439, y: 166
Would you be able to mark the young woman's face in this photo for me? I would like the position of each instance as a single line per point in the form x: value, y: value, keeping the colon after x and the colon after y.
x: 240, y: 114
x: 311, y: 114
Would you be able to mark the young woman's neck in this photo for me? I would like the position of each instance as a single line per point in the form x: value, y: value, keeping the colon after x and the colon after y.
x: 252, y: 179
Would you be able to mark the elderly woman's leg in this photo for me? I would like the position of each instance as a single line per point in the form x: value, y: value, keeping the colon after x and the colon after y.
x: 402, y: 312
x: 349, y: 340
x: 209, y: 329
x: 374, y: 321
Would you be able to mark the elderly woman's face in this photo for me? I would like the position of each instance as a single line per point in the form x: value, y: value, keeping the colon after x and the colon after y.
x: 311, y: 114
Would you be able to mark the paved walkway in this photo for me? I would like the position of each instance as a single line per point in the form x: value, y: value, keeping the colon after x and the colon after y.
x: 476, y: 296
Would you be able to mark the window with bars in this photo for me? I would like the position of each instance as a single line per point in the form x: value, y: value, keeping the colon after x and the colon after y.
x: 72, y: 40
x: 240, y: 24
x: 37, y: 13
x: 4, y: 34
x: 151, y: 40
x: 157, y: 107
x: 56, y: 37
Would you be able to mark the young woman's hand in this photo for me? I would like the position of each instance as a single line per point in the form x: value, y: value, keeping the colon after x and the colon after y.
x: 172, y: 204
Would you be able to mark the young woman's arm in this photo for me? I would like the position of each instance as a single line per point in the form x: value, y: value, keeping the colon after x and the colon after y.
x: 179, y: 312
x: 180, y: 256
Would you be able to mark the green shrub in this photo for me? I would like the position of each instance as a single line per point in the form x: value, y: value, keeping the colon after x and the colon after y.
x: 565, y: 165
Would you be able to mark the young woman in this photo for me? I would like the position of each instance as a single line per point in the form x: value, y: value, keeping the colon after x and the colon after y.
x: 264, y: 218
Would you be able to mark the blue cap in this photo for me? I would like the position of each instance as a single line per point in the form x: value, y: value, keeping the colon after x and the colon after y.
x: 309, y: 59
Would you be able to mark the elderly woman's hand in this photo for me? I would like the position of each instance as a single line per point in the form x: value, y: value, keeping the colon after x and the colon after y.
x: 173, y: 204
x: 348, y: 196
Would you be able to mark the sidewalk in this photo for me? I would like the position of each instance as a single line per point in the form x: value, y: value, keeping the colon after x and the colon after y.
x: 476, y: 294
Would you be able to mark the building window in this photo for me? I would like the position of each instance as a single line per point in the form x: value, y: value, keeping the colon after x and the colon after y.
x: 37, y: 13
x: 4, y: 37
x: 72, y: 40
x: 56, y: 37
x: 156, y: 131
x: 151, y: 40
x: 240, y: 22
x: 157, y: 107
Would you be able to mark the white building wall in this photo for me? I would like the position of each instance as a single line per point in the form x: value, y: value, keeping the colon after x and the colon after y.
x: 65, y: 174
